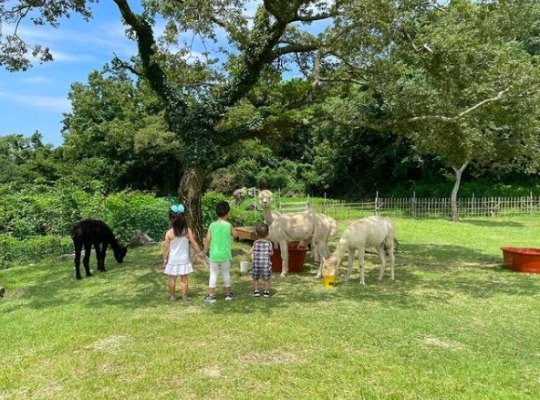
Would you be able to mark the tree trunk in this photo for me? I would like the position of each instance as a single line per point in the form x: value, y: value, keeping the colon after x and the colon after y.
x: 190, y: 195
x: 455, y: 189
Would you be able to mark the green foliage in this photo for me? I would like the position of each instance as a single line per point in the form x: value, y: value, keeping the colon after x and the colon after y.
x: 27, y: 161
x: 127, y: 212
x: 117, y: 133
x: 209, y: 202
x: 254, y: 164
x: 241, y: 217
x: 54, y: 211
x: 32, y: 249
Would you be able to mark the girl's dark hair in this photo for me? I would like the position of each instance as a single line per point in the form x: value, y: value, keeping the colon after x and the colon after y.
x: 222, y: 208
x: 178, y: 223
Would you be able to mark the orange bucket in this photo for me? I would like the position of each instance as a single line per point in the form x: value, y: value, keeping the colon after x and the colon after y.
x: 522, y: 259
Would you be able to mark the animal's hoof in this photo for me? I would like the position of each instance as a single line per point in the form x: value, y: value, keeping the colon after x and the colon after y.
x: 89, y: 274
x: 78, y: 277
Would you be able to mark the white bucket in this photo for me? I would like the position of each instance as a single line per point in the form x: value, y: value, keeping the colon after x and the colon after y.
x: 244, y: 266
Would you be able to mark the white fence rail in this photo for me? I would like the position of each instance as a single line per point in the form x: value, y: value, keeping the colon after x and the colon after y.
x: 421, y: 207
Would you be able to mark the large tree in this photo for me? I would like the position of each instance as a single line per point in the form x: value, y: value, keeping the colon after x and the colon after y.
x: 116, y: 133
x: 460, y: 80
x: 194, y: 115
x: 390, y: 66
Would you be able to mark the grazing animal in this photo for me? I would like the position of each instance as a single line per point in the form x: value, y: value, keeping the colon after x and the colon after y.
x: 93, y: 232
x: 375, y: 231
x: 306, y: 227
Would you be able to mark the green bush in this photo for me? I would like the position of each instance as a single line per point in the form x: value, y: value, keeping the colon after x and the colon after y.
x: 241, y: 217
x: 127, y: 212
x: 29, y: 250
x: 209, y: 201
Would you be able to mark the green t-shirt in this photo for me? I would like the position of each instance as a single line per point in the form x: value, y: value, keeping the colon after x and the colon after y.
x: 220, y: 243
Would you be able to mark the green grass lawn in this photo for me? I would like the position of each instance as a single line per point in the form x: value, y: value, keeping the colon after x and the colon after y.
x: 454, y: 325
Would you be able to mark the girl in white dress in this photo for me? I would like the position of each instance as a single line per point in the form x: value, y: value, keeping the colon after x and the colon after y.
x: 176, y: 251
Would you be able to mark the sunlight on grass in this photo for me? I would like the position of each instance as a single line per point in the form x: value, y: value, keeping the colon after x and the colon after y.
x: 454, y: 324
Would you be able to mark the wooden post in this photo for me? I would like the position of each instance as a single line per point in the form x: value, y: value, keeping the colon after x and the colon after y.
x: 413, y: 205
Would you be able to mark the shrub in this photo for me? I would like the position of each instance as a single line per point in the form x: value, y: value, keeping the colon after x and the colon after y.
x: 127, y: 212
x: 209, y: 201
x: 242, y: 217
x: 31, y: 249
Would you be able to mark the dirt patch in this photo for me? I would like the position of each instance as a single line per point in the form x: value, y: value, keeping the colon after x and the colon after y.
x: 269, y: 358
x: 112, y: 344
x: 432, y: 341
x: 211, y: 371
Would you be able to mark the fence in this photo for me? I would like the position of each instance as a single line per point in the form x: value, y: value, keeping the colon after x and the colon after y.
x: 422, y: 207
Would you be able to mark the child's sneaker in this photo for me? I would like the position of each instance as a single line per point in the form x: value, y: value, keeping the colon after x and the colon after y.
x: 210, y: 299
x: 172, y: 298
x: 266, y: 293
x: 229, y: 296
x: 256, y: 293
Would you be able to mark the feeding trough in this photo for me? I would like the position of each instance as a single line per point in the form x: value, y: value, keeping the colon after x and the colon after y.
x: 522, y: 259
x: 297, y: 255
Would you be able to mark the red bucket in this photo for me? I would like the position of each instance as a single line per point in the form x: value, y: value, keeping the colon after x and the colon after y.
x: 522, y: 259
x: 297, y: 255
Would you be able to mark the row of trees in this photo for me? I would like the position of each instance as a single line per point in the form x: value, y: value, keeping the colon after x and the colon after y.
x: 457, y: 80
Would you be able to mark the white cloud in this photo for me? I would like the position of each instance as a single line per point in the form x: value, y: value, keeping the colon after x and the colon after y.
x: 68, y: 44
x: 37, y: 80
x: 55, y: 104
x: 71, y: 58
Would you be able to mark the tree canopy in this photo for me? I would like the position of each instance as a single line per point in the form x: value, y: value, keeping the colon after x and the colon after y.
x: 458, y: 80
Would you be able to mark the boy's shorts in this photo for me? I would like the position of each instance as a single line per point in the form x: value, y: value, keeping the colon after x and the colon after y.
x: 258, y: 272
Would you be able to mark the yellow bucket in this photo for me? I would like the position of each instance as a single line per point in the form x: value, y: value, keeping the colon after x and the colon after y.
x: 329, y: 281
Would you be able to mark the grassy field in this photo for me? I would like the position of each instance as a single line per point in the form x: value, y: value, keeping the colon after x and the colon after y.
x: 454, y: 325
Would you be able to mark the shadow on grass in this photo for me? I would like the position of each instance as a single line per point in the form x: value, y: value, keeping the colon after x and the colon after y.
x: 502, y: 224
x: 442, y: 255
x: 421, y: 282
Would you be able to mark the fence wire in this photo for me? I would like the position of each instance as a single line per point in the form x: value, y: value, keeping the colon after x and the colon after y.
x: 421, y: 207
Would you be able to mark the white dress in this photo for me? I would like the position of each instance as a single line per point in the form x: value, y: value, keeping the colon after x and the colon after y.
x: 179, y: 262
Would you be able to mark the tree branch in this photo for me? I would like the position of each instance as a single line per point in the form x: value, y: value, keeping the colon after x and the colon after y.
x: 422, y: 118
x: 293, y: 48
x: 175, y: 106
x: 146, y: 46
x: 496, y: 98
x: 125, y: 65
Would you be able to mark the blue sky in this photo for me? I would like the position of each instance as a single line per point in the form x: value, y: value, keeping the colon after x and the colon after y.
x: 37, y: 98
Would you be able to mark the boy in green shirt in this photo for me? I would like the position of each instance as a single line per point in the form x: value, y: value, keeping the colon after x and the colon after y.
x: 218, y: 240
